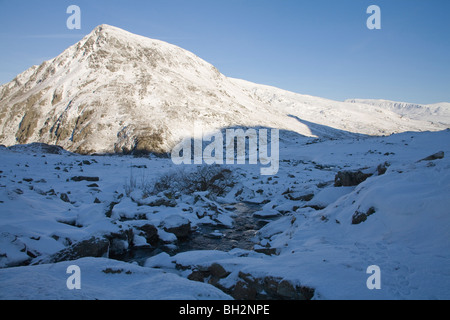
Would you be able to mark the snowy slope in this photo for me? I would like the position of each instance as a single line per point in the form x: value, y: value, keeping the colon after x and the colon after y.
x: 315, y: 241
x: 101, y: 279
x: 117, y: 92
x: 437, y: 112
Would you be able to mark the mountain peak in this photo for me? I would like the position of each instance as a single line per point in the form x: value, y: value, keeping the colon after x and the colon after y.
x: 105, y: 32
x: 105, y: 26
x: 106, y: 29
x: 108, y: 43
x: 115, y: 91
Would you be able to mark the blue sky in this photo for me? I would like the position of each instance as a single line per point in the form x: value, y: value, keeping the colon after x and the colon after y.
x: 317, y: 47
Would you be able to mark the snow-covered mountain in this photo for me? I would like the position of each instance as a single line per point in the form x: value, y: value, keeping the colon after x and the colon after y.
x: 437, y: 112
x: 147, y: 228
x: 118, y: 92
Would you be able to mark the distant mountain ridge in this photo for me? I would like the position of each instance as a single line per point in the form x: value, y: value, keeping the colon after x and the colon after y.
x: 431, y: 112
x: 114, y: 91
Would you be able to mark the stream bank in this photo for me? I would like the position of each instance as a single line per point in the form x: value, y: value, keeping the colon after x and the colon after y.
x: 213, y: 237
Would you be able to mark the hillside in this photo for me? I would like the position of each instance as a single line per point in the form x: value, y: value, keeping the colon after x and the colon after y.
x: 358, y: 184
x: 118, y: 92
x: 437, y: 112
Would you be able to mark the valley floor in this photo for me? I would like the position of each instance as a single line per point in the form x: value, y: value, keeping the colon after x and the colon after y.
x: 310, y: 238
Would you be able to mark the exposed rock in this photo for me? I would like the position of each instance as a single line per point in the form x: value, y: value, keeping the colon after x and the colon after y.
x: 50, y: 192
x: 110, y: 208
x: 197, y: 275
x: 152, y: 201
x: 115, y: 271
x: 267, y: 251
x: 272, y: 288
x: 304, y: 197
x: 120, y: 242
x: 64, y: 197
x: 177, y: 225
x: 350, y: 178
x: 436, y: 156
x: 93, y: 247
x: 81, y: 178
x: 244, y: 291
x: 118, y: 248
x: 286, y: 289
x: 150, y: 233
x: 382, y: 168
x: 216, y: 270
x: 359, y: 217
x: 212, y: 274
x: 162, y: 202
x: 29, y: 121
x: 93, y: 185
x: 182, y: 232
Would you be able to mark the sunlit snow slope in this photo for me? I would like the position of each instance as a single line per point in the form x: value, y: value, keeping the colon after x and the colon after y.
x: 118, y: 92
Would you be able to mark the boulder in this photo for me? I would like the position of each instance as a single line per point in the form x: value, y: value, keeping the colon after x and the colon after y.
x: 150, y: 233
x: 286, y: 290
x: 120, y: 242
x: 212, y: 274
x: 359, y: 217
x: 178, y: 225
x: 64, y: 197
x: 217, y: 271
x: 118, y: 248
x: 93, y: 247
x: 272, y: 288
x: 244, y: 291
x: 350, y: 178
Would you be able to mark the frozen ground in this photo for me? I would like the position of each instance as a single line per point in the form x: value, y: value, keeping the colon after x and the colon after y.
x: 49, y: 203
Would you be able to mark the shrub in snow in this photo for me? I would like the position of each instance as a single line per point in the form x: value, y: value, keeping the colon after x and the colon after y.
x: 216, y: 180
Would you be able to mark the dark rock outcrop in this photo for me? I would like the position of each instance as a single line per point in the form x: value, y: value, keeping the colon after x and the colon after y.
x: 269, y: 288
x: 359, y: 217
x: 92, y: 247
x: 350, y: 178
x: 435, y: 156
x: 81, y: 178
x: 150, y: 233
x: 177, y: 225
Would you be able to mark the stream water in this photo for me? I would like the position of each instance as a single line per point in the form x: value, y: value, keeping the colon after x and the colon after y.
x: 212, y: 237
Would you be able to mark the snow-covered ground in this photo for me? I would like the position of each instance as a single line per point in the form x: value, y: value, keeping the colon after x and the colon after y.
x: 50, y: 203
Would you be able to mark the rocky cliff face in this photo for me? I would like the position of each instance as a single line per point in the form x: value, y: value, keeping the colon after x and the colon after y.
x: 118, y: 92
